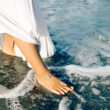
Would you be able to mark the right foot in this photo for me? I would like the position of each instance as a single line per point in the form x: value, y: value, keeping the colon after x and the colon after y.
x: 53, y: 84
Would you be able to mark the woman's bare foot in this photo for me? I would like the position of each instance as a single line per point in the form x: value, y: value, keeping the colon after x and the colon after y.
x: 53, y: 84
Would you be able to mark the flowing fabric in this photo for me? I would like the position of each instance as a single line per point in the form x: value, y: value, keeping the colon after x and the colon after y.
x: 23, y: 19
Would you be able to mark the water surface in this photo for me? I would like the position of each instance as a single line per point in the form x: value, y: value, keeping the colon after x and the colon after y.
x: 80, y: 30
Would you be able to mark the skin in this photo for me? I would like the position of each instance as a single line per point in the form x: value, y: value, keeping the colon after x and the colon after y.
x: 53, y: 84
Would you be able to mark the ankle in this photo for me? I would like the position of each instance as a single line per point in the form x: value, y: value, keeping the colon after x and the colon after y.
x: 40, y: 73
x: 8, y: 51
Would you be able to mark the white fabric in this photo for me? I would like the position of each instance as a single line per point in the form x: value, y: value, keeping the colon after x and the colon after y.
x: 23, y: 19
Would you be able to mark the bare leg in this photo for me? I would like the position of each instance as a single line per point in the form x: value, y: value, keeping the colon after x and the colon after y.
x: 8, y: 45
x: 43, y: 75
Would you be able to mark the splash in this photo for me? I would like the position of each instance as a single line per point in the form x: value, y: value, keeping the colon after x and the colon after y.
x: 24, y: 87
x: 90, y: 84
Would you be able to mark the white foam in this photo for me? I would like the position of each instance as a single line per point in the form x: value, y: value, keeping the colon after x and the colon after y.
x: 105, y: 82
x: 105, y: 53
x: 79, y: 97
x: 65, y: 104
x: 102, y: 38
x: 24, y: 87
x: 29, y: 83
x: 86, y: 57
x: 103, y: 98
x: 88, y: 72
x: 82, y: 88
x: 95, y: 91
x: 13, y: 104
x: 93, y: 83
x: 78, y: 107
x: 90, y: 81
x: 104, y: 109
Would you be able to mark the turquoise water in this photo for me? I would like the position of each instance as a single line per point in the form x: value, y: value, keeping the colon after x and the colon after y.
x: 80, y: 30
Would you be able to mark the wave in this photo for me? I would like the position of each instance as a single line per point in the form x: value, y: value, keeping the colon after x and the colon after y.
x: 90, y: 84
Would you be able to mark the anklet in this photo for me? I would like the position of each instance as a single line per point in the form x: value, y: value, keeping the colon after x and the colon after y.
x: 49, y: 76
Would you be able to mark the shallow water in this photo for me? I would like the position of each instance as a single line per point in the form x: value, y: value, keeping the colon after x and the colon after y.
x: 81, y: 33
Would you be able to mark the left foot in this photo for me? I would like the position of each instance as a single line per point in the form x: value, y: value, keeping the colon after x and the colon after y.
x: 9, y: 52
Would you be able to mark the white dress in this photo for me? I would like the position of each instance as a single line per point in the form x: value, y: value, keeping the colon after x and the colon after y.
x: 23, y: 19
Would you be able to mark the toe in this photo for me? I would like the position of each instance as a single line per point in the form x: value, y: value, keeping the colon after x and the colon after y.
x: 69, y: 88
x: 65, y: 90
x: 64, y: 85
x: 61, y: 91
x: 56, y: 92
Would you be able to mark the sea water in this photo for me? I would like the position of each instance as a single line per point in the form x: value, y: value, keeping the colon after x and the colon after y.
x: 80, y: 30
